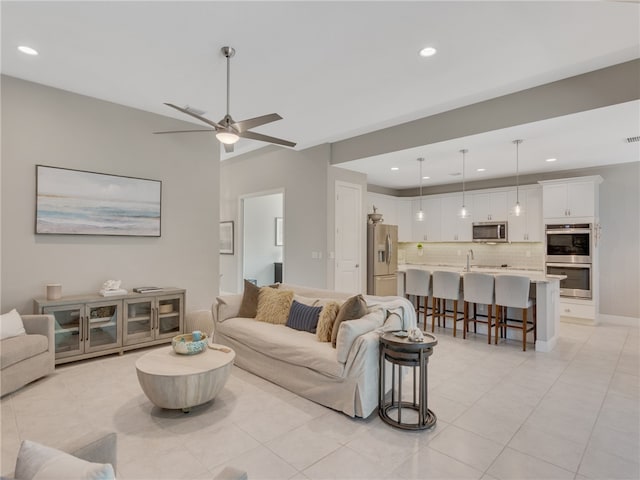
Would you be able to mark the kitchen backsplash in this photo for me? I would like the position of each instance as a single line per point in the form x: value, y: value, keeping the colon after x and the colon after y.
x: 522, y: 255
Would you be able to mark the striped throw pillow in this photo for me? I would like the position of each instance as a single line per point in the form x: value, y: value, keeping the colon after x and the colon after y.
x: 303, y: 317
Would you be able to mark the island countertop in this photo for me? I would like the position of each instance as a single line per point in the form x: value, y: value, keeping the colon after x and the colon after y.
x: 536, y: 276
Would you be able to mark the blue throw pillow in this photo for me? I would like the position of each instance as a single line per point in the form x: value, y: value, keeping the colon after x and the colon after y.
x: 303, y: 317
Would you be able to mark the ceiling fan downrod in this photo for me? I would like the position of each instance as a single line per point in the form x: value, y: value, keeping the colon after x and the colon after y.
x: 228, y: 52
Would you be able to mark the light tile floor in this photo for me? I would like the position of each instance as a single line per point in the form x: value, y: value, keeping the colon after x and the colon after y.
x: 502, y: 414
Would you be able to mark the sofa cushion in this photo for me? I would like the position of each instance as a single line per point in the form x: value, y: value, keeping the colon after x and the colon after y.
x: 326, y: 320
x: 274, y: 305
x: 11, y: 325
x: 283, y: 343
x: 354, y: 307
x: 16, y: 349
x: 36, y: 461
x: 352, y: 329
x: 303, y: 317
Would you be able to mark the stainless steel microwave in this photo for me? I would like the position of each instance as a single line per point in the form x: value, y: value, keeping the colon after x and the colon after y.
x: 490, y: 232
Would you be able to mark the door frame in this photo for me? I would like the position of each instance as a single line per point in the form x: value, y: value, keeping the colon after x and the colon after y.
x: 240, y: 232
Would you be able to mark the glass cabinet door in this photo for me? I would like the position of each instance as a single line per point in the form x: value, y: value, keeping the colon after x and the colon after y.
x: 103, y: 325
x: 169, y: 315
x: 68, y: 330
x: 138, y: 320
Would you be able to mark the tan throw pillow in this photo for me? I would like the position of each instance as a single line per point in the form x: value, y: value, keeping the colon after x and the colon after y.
x: 274, y: 305
x: 325, y: 322
x: 355, y: 307
x: 249, y: 305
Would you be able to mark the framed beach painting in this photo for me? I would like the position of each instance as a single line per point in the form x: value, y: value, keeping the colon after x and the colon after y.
x: 75, y: 202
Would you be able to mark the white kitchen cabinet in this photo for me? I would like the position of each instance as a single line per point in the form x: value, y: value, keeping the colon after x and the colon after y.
x: 570, y: 198
x: 386, y: 205
x: 489, y: 207
x: 527, y: 227
x: 405, y: 220
x: 454, y: 228
x: 428, y: 230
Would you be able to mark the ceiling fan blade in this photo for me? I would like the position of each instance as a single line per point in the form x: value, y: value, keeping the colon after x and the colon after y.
x: 266, y: 138
x: 228, y: 147
x: 244, y: 125
x: 184, y: 131
x: 194, y: 115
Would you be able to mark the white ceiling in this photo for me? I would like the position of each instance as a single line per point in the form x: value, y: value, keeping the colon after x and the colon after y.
x: 338, y: 69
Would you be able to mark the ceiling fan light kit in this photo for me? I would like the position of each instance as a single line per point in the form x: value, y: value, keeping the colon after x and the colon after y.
x: 227, y: 130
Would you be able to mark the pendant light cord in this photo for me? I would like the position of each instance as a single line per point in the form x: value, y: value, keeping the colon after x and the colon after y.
x: 421, y: 160
x: 464, y: 152
x: 517, y: 142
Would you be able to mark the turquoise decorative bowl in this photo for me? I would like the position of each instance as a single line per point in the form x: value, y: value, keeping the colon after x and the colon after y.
x: 184, y: 344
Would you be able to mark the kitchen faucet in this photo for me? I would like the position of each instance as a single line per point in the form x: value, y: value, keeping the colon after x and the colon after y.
x: 469, y: 255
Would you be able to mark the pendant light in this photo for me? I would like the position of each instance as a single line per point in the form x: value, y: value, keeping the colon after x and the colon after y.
x: 464, y: 213
x: 517, y: 209
x: 420, y: 212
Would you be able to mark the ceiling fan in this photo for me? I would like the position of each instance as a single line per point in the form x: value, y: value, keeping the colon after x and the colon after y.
x: 227, y: 130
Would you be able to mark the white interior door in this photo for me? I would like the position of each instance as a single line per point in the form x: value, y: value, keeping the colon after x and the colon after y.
x: 348, y: 237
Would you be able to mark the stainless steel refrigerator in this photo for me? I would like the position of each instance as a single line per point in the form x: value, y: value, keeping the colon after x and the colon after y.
x: 382, y: 259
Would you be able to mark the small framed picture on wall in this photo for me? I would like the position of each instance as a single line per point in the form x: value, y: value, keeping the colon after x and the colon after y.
x: 226, y: 238
x: 279, y: 232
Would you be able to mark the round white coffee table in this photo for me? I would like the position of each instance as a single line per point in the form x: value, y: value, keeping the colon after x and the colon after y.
x: 176, y: 381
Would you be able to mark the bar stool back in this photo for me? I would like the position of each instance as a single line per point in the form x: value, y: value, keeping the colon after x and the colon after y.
x: 478, y: 288
x: 446, y: 286
x: 418, y: 283
x: 512, y: 291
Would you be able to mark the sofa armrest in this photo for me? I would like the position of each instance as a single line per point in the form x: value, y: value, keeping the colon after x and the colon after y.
x: 42, y: 325
x: 350, y: 330
x: 97, y: 447
x: 227, y: 306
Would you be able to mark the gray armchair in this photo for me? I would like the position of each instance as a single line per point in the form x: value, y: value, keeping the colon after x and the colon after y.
x: 26, y: 358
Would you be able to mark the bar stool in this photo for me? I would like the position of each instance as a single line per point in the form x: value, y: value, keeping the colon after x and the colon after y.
x: 478, y: 288
x: 418, y: 283
x: 512, y: 291
x: 446, y: 286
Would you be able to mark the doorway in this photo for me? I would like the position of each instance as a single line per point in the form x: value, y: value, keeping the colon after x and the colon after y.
x: 263, y: 238
x: 348, y: 237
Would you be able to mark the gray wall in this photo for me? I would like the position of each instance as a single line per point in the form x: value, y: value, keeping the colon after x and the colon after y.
x: 43, y: 125
x: 620, y: 241
x: 303, y: 177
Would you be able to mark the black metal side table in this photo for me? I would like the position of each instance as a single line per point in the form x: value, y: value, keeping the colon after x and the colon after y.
x: 402, y: 352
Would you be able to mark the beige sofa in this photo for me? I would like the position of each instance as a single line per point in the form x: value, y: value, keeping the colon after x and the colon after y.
x: 343, y: 378
x: 26, y: 358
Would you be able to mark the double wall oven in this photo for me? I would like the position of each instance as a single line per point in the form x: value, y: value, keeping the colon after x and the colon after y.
x: 569, y: 252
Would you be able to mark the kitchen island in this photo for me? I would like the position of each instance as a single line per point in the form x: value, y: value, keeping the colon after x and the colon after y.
x: 547, y: 290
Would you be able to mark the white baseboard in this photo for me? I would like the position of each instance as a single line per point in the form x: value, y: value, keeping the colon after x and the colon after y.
x: 579, y: 321
x: 546, y: 346
x: 619, y: 320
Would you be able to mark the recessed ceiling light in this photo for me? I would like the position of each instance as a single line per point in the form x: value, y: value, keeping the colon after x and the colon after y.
x: 394, y: 169
x: 427, y: 52
x: 481, y: 170
x: 27, y: 50
x: 426, y: 178
x: 550, y: 159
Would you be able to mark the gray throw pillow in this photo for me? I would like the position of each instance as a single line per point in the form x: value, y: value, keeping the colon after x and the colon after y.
x: 355, y: 307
